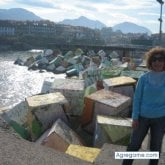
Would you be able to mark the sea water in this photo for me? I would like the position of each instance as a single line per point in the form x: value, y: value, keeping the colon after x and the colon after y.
x: 17, y: 82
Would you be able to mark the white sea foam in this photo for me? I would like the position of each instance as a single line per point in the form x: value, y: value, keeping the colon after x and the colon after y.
x: 17, y: 82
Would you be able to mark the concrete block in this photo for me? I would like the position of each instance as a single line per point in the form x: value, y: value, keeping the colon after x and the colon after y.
x: 47, y: 115
x: 104, y: 102
x: 3, y: 123
x: 123, y: 85
x: 45, y: 99
x: 132, y: 73
x: 18, y: 113
x: 59, y: 137
x: 43, y: 111
x: 119, y: 81
x: 73, y: 90
x: 91, y: 75
x: 85, y: 153
x: 114, y: 100
x: 115, y: 130
x: 112, y: 130
x: 48, y: 81
x: 127, y: 90
x: 17, y: 151
x: 53, y: 140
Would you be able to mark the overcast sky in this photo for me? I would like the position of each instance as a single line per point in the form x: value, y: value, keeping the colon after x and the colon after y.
x: 110, y: 12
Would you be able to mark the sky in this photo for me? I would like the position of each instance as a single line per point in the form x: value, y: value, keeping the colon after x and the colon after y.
x: 110, y: 12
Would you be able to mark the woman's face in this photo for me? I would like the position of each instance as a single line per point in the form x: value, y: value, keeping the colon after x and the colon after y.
x: 158, y: 63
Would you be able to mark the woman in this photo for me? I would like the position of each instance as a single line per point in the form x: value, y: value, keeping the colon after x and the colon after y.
x: 149, y: 105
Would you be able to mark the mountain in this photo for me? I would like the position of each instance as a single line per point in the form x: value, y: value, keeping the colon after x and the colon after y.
x: 18, y: 14
x: 125, y: 27
x: 83, y: 21
x: 128, y: 27
x: 21, y: 14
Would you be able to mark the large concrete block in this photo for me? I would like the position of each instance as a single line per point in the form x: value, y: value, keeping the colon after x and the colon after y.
x: 114, y: 100
x: 91, y: 75
x: 85, y: 153
x: 123, y: 85
x: 16, y: 151
x: 48, y: 81
x: 3, y: 123
x: 118, y: 81
x: 132, y: 73
x: 104, y: 102
x: 43, y: 111
x: 114, y: 130
x: 59, y: 137
x: 73, y: 90
x: 45, y: 99
x: 48, y: 115
x: 17, y: 113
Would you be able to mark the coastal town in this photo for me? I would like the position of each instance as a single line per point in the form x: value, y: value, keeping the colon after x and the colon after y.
x: 86, y: 115
x: 68, y: 87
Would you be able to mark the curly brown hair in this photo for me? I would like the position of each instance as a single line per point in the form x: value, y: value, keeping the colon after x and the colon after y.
x: 153, y: 52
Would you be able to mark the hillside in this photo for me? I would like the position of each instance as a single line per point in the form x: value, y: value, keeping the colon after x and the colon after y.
x: 18, y: 14
x: 83, y: 21
x: 128, y: 27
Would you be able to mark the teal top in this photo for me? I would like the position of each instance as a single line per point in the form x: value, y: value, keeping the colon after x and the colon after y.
x: 149, y: 97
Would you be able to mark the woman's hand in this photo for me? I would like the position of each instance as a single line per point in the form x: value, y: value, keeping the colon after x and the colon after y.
x: 135, y: 123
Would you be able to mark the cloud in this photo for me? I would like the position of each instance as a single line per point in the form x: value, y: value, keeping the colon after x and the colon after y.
x: 5, y: 2
x: 36, y: 3
x: 109, y: 12
x: 149, y: 14
x: 86, y: 7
